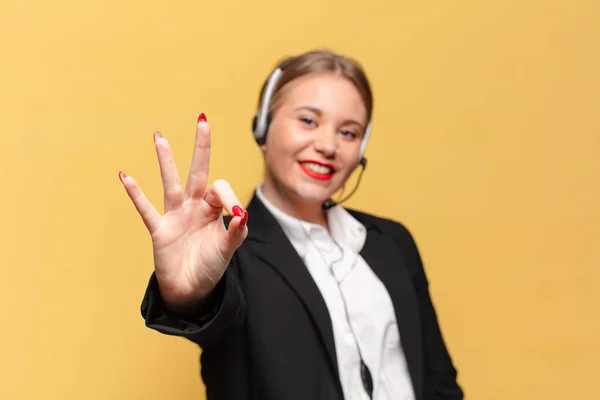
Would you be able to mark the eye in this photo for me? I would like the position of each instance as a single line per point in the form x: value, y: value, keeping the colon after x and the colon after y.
x: 349, y: 134
x: 307, y: 121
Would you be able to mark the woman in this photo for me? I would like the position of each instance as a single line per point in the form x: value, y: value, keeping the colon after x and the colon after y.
x: 294, y: 297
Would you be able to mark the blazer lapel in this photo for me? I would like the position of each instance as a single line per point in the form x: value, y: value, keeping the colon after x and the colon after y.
x: 272, y: 246
x: 384, y: 257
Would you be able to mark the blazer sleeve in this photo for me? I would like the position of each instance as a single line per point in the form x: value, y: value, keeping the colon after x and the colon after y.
x: 223, y: 309
x: 440, y: 379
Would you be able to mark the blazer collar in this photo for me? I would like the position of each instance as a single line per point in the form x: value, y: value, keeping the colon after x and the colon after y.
x: 262, y: 224
x: 380, y: 252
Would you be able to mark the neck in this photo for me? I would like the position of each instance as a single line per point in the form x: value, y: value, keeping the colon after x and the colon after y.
x: 311, y: 212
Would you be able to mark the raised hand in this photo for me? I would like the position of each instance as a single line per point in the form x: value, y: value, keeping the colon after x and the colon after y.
x: 192, y: 247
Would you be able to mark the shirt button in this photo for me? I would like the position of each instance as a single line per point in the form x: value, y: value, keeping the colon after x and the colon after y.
x: 347, y: 328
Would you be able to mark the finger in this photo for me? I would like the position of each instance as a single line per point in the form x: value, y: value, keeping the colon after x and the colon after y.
x: 198, y: 178
x: 149, y: 214
x: 173, y: 195
x: 235, y: 235
x: 220, y: 195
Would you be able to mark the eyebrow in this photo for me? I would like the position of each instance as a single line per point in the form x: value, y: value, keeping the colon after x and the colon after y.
x: 319, y: 113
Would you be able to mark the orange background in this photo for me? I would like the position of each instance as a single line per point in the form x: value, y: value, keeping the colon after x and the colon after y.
x: 486, y: 144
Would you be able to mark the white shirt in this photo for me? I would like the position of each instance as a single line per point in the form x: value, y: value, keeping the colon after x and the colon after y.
x: 370, y: 309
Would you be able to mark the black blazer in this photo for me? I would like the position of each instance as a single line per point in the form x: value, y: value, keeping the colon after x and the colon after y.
x: 266, y: 334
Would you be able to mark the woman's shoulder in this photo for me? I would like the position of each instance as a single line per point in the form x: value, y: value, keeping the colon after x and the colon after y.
x: 383, y: 224
x: 395, y: 229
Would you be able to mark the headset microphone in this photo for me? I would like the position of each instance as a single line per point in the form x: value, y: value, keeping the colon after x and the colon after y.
x: 330, y: 203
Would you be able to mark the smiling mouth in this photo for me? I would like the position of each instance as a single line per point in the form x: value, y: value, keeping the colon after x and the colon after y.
x: 317, y: 170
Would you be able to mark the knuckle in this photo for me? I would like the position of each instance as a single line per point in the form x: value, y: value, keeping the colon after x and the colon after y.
x: 197, y: 177
x: 173, y: 189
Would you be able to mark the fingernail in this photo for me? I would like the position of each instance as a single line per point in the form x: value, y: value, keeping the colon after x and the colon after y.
x: 202, y: 118
x: 244, y: 219
x: 122, y: 176
x: 157, y: 135
x: 237, y: 211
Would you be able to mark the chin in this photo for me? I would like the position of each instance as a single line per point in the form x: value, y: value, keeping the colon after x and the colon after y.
x: 311, y: 193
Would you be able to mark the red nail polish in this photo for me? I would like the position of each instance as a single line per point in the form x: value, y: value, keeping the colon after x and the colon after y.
x: 244, y: 219
x: 202, y: 118
x: 122, y: 176
x: 157, y: 135
x: 237, y: 211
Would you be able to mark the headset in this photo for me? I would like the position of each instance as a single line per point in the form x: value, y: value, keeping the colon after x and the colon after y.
x: 262, y: 120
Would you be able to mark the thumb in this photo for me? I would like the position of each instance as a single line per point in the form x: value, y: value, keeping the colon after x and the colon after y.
x: 236, y: 232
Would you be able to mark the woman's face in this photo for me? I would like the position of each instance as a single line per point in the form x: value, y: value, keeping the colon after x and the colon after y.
x: 316, y: 114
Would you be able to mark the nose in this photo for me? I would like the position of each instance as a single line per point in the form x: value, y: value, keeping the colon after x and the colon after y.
x: 326, y: 142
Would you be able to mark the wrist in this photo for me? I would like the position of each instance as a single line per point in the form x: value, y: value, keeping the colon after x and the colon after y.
x: 185, y: 301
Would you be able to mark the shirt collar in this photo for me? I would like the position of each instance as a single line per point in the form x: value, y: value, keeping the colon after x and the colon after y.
x: 343, y: 227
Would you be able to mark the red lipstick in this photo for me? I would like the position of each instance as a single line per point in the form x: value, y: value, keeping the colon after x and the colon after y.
x: 314, y: 174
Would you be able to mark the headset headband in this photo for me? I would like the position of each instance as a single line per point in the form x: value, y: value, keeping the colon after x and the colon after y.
x: 260, y: 123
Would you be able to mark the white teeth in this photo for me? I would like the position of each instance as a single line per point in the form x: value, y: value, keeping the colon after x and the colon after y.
x: 319, y: 169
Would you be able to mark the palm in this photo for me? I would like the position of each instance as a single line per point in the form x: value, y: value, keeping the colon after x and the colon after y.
x: 191, y: 245
x: 187, y: 245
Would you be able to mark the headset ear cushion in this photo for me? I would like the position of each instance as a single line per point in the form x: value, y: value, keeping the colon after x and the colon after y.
x: 254, y: 122
x: 256, y: 135
x: 260, y: 137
